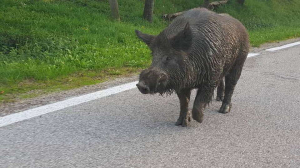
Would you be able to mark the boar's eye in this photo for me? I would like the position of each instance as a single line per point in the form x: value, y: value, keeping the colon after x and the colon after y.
x: 168, y: 58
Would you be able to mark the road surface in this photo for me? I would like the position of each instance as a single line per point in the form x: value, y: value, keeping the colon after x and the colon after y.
x: 129, y: 129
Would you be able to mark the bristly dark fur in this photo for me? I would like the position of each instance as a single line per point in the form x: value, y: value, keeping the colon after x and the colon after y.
x: 196, y: 51
x: 168, y: 92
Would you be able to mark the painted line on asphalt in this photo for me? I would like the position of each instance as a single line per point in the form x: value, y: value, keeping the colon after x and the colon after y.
x: 283, y: 47
x: 35, y: 112
x: 252, y: 54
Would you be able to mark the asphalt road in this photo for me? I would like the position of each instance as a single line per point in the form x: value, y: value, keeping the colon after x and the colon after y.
x: 134, y: 130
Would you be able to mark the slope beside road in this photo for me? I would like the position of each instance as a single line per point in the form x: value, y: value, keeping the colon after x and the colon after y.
x: 129, y: 129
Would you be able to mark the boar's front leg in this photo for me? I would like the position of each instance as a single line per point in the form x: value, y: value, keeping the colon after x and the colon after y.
x: 185, y: 116
x: 199, y: 105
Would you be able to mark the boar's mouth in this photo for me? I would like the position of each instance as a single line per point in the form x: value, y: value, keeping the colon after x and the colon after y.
x: 145, y: 89
x: 152, y: 82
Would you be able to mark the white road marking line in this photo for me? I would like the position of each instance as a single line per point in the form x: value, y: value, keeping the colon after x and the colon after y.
x: 253, y: 54
x: 25, y: 115
x: 283, y: 47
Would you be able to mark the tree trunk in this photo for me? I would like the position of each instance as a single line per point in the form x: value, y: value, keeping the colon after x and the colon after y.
x: 241, y: 2
x: 215, y: 4
x: 210, y: 6
x: 114, y: 9
x: 148, y: 10
x: 172, y: 16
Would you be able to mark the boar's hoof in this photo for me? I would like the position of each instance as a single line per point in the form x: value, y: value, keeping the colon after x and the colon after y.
x: 225, y: 108
x: 198, y: 116
x: 184, y: 120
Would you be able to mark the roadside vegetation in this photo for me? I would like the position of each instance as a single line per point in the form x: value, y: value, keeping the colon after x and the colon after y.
x: 51, y: 45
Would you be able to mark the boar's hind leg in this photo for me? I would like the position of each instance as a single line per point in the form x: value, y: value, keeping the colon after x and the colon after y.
x: 220, y: 91
x: 185, y: 116
x: 230, y: 82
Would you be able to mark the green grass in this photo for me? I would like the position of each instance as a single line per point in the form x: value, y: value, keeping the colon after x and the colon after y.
x: 32, y: 88
x: 44, y: 43
x: 267, y: 20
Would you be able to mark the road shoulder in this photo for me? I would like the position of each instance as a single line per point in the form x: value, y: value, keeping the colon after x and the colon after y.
x: 21, y: 105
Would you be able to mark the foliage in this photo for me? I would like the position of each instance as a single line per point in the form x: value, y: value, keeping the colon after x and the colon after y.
x: 45, y: 40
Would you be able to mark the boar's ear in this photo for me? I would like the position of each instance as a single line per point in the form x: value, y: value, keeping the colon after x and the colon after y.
x: 145, y: 37
x: 183, y: 40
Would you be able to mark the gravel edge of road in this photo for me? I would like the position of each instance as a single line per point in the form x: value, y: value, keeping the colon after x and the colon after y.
x: 25, y: 104
x: 21, y: 105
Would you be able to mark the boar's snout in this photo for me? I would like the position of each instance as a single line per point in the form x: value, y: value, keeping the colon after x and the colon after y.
x: 143, y: 88
x: 152, y: 81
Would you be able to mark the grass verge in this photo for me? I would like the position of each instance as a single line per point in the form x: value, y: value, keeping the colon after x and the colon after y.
x: 31, y: 88
x: 52, y: 45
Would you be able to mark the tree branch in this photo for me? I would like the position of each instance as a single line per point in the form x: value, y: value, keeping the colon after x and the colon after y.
x: 215, y: 4
x: 210, y: 6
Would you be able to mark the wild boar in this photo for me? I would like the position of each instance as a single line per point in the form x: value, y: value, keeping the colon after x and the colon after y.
x: 196, y: 51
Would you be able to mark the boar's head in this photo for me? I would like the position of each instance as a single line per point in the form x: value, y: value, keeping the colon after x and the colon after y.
x: 169, y: 68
